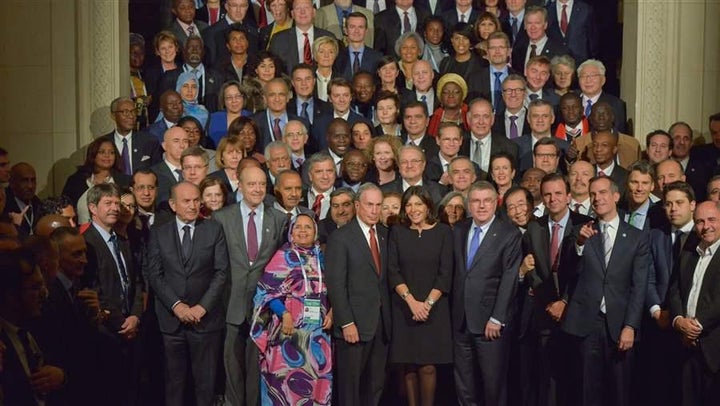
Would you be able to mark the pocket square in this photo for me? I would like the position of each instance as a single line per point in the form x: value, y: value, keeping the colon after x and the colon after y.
x: 144, y: 158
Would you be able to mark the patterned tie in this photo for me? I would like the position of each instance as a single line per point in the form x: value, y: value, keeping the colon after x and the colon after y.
x: 127, y: 167
x: 262, y: 15
x: 607, y: 244
x: 477, y: 155
x: 577, y: 207
x: 317, y: 204
x: 513, y: 127
x: 307, y: 52
x: 462, y: 18
x: 375, y: 251
x: 252, y: 241
x: 555, y: 246
x: 304, y: 112
x: 534, y: 97
x: 191, y: 31
x: 356, y: 62
x: 179, y: 175
x: 474, y: 245
x: 376, y: 7
x: 601, y: 173
x: 497, y: 93
x: 564, y: 20
x: 588, y: 108
x: 277, y: 134
x: 186, y: 242
x: 533, y: 50
x: 514, y: 27
x: 406, y: 22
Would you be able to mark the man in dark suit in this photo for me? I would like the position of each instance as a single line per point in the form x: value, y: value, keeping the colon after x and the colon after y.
x: 187, y: 262
x: 540, y: 118
x: 415, y: 120
x: 286, y: 44
x: 542, y: 353
x: 356, y: 259
x: 273, y: 119
x: 423, y: 79
x: 511, y: 121
x: 604, y: 146
x: 537, y: 42
x: 639, y: 210
x: 537, y: 73
x: 376, y: 6
x: 435, y: 10
x: 482, y: 142
x: 114, y: 275
x: 340, y: 97
x: 411, y: 163
x: 579, y: 175
x: 341, y: 212
x: 214, y: 36
x: 463, y: 12
x: 185, y: 24
x: 21, y: 203
x: 707, y: 156
x: 172, y: 109
x: 357, y: 55
x: 694, y: 297
x: 487, y: 257
x: 576, y: 26
x: 488, y: 84
x: 512, y: 23
x: 138, y: 149
x: 209, y: 80
x: 169, y: 171
x: 449, y: 140
x: 253, y: 232
x: 591, y: 77
x: 304, y: 103
x: 395, y: 21
x: 609, y: 268
x: 682, y: 135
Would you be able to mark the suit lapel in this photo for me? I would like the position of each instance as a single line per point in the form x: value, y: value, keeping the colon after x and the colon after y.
x: 362, y: 242
x: 543, y: 255
x: 486, y: 244
x: 239, y: 230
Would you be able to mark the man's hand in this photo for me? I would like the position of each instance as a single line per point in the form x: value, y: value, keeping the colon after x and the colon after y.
x: 444, y: 179
x: 287, y: 327
x: 572, y: 151
x: 556, y: 310
x: 47, y: 379
x: 90, y: 299
x: 328, y: 320
x: 627, y: 338
x: 662, y: 318
x: 197, y: 313
x: 350, y: 334
x: 586, y: 231
x: 492, y: 330
x: 689, y: 328
x: 182, y: 312
x: 17, y: 218
x: 527, y: 265
x: 130, y: 327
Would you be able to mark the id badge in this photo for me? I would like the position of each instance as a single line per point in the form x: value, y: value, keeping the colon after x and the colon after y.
x: 311, y: 314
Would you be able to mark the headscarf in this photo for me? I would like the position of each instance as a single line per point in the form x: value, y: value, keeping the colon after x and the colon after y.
x: 191, y: 108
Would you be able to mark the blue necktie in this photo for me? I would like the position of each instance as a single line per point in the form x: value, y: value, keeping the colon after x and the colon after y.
x: 474, y: 245
x: 125, y: 153
x: 588, y: 108
x: 123, y: 272
x: 514, y: 26
x: 497, y: 93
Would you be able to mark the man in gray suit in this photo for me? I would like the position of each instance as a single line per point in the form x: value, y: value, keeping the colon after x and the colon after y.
x: 253, y: 233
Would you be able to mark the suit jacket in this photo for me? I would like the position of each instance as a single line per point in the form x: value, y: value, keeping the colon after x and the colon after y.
x: 369, y: 62
x: 285, y: 45
x: 485, y: 289
x: 166, y: 180
x: 157, y: 129
x: 619, y: 107
x: 146, y: 150
x: 664, y: 263
x: 196, y: 280
x: 582, y: 37
x: 25, y: 229
x: 266, y: 135
x: 358, y: 291
x: 326, y: 18
x: 506, y: 27
x: 214, y: 38
x: 545, y: 288
x: 479, y: 85
x: 499, y: 143
x: 553, y: 47
x: 623, y: 282
x: 450, y: 16
x: 436, y: 190
x: 699, y: 170
x: 428, y: 144
x: 707, y: 311
x: 434, y: 169
x: 212, y: 82
x: 620, y: 175
x: 320, y: 127
x: 411, y: 96
x: 628, y: 149
x: 388, y: 28
x: 319, y: 108
x: 105, y: 277
x: 499, y: 124
x: 181, y: 34
x: 525, y: 152
x: 440, y: 7
x: 244, y: 275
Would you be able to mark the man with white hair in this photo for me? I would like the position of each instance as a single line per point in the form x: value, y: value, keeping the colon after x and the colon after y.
x: 591, y: 76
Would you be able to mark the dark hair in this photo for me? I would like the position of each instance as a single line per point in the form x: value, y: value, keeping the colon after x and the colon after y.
x: 54, y: 205
x: 3, y: 152
x: 547, y: 141
x: 644, y: 167
x: 60, y: 233
x: 237, y: 125
x: 466, y: 30
x: 680, y: 186
x: 263, y: 55
x: 195, y: 121
x: 502, y: 155
x: 355, y: 14
x: 514, y: 189
x: 658, y: 132
x: 93, y: 150
x: 213, y: 181
x: 143, y: 172
x: 14, y: 265
x: 413, y: 104
x: 302, y: 66
x: 237, y: 27
x: 554, y: 177
x: 714, y: 117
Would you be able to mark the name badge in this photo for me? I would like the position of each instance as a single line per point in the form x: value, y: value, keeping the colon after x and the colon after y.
x: 311, y: 315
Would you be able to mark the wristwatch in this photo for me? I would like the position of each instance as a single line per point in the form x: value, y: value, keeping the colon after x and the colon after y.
x: 430, y: 302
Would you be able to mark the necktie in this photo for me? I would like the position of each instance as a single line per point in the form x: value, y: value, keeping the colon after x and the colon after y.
x: 677, y: 245
x: 577, y: 207
x: 376, y: 6
x: 534, y: 97
x: 356, y: 62
x: 462, y: 18
x: 317, y: 204
x: 375, y: 251
x: 299, y: 162
x: 33, y: 355
x: 564, y: 20
x: 513, y: 127
x: 633, y: 220
x: 179, y: 175
x: 304, y: 112
x: 588, y: 108
x: 186, y: 242
x: 126, y: 157
x: 406, y: 22
x: 514, y: 26
x: 307, y: 52
x: 123, y: 272
x: 607, y: 244
x: 533, y: 50
x: 477, y: 155
x: 191, y: 31
x: 423, y: 99
x: 277, y: 134
x: 252, y: 241
x: 474, y: 245
x: 262, y: 15
x: 555, y: 247
x: 601, y: 173
x: 497, y: 93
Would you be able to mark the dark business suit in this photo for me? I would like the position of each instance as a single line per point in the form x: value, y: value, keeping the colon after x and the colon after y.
x: 322, y: 123
x: 344, y: 62
x: 499, y: 124
x: 25, y: 229
x: 701, y: 363
x: 619, y: 175
x: 16, y: 387
x: 484, y: 290
x: 388, y: 28
x: 165, y: 180
x: 214, y: 38
x: 209, y: 86
x: 181, y: 34
x: 359, y: 293
x: 623, y: 283
x: 197, y: 279
x: 619, y: 108
x: 450, y: 17
x: 158, y: 129
x: 479, y: 85
x: 440, y: 7
x: 506, y: 26
x: 582, y: 35
x: 543, y: 356
x: 428, y: 144
x: 117, y: 355
x: 699, y: 170
x: 285, y: 45
x: 263, y: 120
x: 319, y: 108
x: 436, y: 190
x: 241, y: 357
x: 498, y: 144
x: 434, y: 169
x: 146, y: 149
x: 552, y: 48
x: 525, y: 152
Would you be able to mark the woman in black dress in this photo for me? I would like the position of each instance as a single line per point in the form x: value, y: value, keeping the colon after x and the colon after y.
x: 420, y: 271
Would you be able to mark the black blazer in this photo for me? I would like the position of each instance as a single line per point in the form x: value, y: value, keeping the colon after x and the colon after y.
x: 181, y: 34
x: 285, y: 45
x: 214, y: 38
x: 212, y: 82
x: 166, y: 180
x: 105, y: 277
x: 266, y: 135
x: 486, y: 289
x: 198, y: 279
x: 499, y: 124
x: 553, y: 47
x: 320, y: 127
x: 24, y: 229
x: 428, y: 144
x: 344, y: 61
x: 146, y: 149
x: 76, y: 184
x: 619, y: 109
x: 623, y: 282
x: 388, y: 28
x: 664, y: 262
x: 499, y: 144
x: 479, y: 85
x: 620, y: 175
x: 525, y: 152
x: 319, y: 108
x: 450, y: 17
x: 358, y: 292
x: 707, y: 311
x: 222, y: 176
x: 436, y: 190
x: 582, y: 37
x: 507, y: 29
x: 434, y: 169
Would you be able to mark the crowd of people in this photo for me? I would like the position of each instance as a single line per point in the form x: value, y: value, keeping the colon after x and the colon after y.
x: 367, y: 202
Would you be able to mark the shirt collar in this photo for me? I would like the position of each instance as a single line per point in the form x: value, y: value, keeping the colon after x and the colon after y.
x: 614, y: 223
x: 64, y: 281
x: 484, y: 227
x: 709, y: 251
x: 563, y: 221
x: 104, y: 234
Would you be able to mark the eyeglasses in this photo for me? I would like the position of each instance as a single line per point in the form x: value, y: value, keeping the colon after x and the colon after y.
x: 128, y: 206
x: 517, y: 207
x: 411, y: 162
x: 125, y: 112
x: 513, y: 91
x: 295, y: 135
x: 591, y: 76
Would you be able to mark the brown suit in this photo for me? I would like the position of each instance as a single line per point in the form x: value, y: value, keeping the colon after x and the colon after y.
x: 628, y: 149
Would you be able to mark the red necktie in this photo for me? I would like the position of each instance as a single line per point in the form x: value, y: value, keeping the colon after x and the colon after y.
x: 317, y: 205
x: 555, y: 246
x: 307, y: 53
x: 564, y: 19
x: 601, y: 173
x: 263, y: 15
x: 277, y: 134
x: 374, y: 250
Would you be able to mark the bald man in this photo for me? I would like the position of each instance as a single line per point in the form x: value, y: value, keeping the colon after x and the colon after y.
x: 48, y: 223
x: 22, y: 205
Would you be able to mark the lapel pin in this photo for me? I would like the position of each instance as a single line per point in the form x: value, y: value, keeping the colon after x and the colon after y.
x: 624, y: 235
x: 134, y: 149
